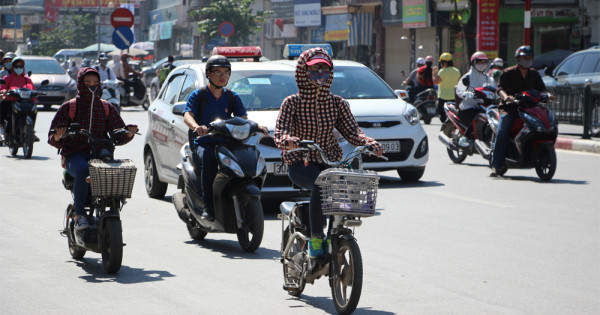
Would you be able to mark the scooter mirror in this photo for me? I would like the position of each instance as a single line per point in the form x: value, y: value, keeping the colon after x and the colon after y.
x: 466, y: 81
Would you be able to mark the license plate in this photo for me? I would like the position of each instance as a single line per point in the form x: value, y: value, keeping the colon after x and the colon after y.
x: 51, y: 93
x: 390, y: 146
x: 431, y: 110
x: 278, y: 169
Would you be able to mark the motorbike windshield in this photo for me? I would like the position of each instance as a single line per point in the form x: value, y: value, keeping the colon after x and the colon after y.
x: 359, y: 83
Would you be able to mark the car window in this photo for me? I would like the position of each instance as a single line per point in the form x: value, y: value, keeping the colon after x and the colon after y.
x: 189, y: 85
x: 570, y: 66
x: 589, y: 63
x: 359, y: 82
x: 170, y: 94
x: 263, y: 90
x: 44, y: 67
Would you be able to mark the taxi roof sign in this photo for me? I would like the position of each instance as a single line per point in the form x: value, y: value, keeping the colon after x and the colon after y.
x: 295, y: 50
x: 238, y: 52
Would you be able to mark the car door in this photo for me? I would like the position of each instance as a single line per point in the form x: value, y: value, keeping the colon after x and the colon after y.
x: 565, y: 72
x: 165, y: 120
x: 180, y: 129
x: 588, y: 70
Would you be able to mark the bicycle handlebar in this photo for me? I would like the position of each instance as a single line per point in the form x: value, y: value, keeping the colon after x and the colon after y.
x: 308, y: 145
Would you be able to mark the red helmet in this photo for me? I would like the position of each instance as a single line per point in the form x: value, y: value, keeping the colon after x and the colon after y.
x: 429, y: 59
x: 478, y: 55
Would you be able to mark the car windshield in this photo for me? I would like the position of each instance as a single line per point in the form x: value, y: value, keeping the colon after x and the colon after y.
x: 44, y: 67
x: 263, y: 90
x: 359, y: 83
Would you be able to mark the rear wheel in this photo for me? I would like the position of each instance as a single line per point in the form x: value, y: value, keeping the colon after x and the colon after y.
x: 292, y: 272
x: 251, y: 233
x: 112, y: 245
x: 346, y: 276
x: 75, y: 251
x: 595, y: 121
x: 545, y: 162
x: 28, y: 142
x: 154, y: 187
x: 457, y: 155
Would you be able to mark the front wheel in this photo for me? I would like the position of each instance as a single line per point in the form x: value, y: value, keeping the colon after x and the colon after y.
x: 346, y: 276
x: 112, y: 245
x: 28, y: 142
x: 251, y: 234
x: 458, y: 155
x: 545, y: 162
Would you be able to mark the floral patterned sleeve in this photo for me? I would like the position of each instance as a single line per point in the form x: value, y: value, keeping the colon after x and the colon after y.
x: 285, y: 120
x: 348, y: 127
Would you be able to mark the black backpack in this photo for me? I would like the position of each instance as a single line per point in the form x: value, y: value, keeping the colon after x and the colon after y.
x: 203, y: 99
x: 107, y: 71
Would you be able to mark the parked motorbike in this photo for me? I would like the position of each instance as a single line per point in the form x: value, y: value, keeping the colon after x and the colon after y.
x: 236, y: 189
x: 111, y: 183
x: 426, y: 103
x: 454, y: 128
x: 22, y: 120
x: 532, y: 135
x: 137, y: 93
x: 348, y: 195
x: 110, y: 93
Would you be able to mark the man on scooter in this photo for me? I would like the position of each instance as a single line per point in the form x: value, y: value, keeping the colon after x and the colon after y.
x: 90, y: 113
x: 203, y: 107
x: 312, y: 114
x: 514, y: 80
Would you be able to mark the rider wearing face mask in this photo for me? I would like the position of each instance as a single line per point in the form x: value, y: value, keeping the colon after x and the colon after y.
x: 90, y: 114
x: 312, y: 114
x: 16, y: 79
x: 514, y: 80
x: 477, y: 77
x: 6, y: 64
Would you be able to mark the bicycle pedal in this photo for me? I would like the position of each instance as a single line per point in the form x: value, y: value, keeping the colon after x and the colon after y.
x: 289, y: 287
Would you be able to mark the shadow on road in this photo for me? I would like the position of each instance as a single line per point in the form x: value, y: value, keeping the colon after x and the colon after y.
x: 387, y: 182
x: 232, y: 250
x: 126, y: 275
x: 326, y: 304
x: 537, y: 179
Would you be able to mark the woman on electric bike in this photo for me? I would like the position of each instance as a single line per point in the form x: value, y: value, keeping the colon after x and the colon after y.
x: 312, y: 114
x: 99, y: 118
x: 14, y: 80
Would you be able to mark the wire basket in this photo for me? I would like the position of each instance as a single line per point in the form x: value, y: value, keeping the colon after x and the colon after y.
x: 113, y: 178
x: 348, y: 192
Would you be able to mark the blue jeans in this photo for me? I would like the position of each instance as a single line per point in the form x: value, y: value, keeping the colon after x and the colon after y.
x: 305, y: 176
x: 504, y: 126
x: 77, y: 166
x: 206, y: 151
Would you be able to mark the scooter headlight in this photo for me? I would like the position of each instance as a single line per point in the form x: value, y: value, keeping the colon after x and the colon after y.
x: 260, y: 166
x: 411, y: 114
x: 231, y: 164
x: 25, y: 94
x: 535, y: 123
x: 239, y: 132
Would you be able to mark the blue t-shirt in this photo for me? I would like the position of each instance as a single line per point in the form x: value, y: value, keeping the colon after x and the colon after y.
x: 213, y: 108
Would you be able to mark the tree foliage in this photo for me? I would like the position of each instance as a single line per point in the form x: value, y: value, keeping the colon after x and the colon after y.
x: 76, y: 31
x: 238, y: 12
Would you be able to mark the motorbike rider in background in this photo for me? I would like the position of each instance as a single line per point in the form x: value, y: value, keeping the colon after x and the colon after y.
x: 424, y: 77
x: 514, y: 80
x: 312, y: 114
x: 215, y: 106
x: 469, y: 107
x: 91, y: 115
x: 105, y: 72
x: 6, y: 64
x: 496, y: 69
x: 446, y: 78
x: 411, y: 81
x: 15, y: 80
x: 122, y: 71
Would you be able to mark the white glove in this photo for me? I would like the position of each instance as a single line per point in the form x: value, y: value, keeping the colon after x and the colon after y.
x: 469, y: 95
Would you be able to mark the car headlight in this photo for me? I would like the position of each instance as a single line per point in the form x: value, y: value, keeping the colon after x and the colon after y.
x: 231, y: 164
x: 534, y: 122
x: 411, y: 114
x: 72, y: 84
x: 260, y: 165
x: 239, y: 132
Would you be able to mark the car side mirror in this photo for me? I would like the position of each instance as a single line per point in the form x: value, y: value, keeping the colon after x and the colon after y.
x: 548, y: 71
x: 466, y: 81
x: 45, y: 82
x: 178, y: 108
x: 402, y: 94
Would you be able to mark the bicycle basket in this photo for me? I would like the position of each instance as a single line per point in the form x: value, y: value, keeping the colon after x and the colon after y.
x: 113, y: 178
x: 348, y: 192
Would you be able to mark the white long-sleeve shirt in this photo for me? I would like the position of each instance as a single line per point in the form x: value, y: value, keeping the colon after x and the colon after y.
x: 477, y: 79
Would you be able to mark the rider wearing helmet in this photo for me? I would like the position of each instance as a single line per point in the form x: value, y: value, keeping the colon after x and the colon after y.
x: 7, y: 64
x: 496, y: 68
x: 469, y: 108
x: 446, y: 78
x: 514, y: 80
x: 203, y: 106
x: 16, y: 79
x: 122, y: 71
x: 103, y: 69
x: 424, y: 78
x: 411, y: 81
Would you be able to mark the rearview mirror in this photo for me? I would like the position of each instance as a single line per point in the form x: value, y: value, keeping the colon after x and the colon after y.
x: 178, y: 109
x: 466, y: 81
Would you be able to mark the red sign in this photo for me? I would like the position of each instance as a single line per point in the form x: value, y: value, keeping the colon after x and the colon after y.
x: 121, y: 17
x: 238, y: 52
x: 487, y: 25
x: 226, y: 29
x: 51, y: 12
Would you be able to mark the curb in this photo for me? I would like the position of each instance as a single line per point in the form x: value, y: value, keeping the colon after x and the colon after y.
x: 578, y: 145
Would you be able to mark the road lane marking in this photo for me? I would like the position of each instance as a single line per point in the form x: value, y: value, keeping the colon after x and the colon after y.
x: 484, y: 202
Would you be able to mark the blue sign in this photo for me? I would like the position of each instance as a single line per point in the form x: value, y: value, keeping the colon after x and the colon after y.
x: 122, y: 37
x: 295, y: 50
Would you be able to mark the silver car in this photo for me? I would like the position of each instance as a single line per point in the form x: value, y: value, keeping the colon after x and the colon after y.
x: 61, y: 87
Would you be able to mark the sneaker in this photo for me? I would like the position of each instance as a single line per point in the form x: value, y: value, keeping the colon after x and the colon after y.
x: 327, y: 245
x: 81, y: 223
x: 207, y: 216
x: 315, y: 247
x: 464, y: 142
x: 2, y: 134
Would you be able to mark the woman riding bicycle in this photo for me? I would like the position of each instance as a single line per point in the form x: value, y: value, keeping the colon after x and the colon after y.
x: 312, y: 114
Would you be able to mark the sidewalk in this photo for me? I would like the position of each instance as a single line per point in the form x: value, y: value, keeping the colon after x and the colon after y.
x: 570, y: 138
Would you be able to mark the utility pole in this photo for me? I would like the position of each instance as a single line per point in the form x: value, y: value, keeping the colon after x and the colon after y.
x: 527, y: 21
x: 98, y: 27
x: 15, y: 24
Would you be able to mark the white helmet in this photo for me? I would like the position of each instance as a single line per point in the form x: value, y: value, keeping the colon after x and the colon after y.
x: 498, y: 62
x: 420, y: 61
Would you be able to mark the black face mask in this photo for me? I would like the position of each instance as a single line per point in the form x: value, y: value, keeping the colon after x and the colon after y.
x: 93, y: 88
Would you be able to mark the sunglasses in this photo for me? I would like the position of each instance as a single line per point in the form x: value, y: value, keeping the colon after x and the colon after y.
x: 318, y: 67
x: 18, y: 67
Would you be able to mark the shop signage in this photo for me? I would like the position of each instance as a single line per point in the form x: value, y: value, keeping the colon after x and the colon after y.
x: 336, y: 27
x: 414, y: 13
x: 307, y: 13
x: 487, y: 25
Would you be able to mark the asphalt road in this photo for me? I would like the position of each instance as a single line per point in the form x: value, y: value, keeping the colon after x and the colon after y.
x: 458, y: 242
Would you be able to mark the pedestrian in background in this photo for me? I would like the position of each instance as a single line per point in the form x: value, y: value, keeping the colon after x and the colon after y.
x: 446, y: 78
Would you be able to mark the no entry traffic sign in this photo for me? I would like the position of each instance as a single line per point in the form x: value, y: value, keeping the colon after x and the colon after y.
x: 121, y: 17
x: 226, y: 29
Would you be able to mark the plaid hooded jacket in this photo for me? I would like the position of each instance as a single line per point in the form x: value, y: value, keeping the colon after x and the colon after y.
x: 313, y: 113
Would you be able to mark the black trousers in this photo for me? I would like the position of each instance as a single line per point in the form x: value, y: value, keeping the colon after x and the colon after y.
x: 466, y: 117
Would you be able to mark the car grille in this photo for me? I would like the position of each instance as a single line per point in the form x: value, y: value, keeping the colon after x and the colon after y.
x: 277, y: 181
x: 406, y: 146
x: 56, y: 100
x: 378, y: 124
